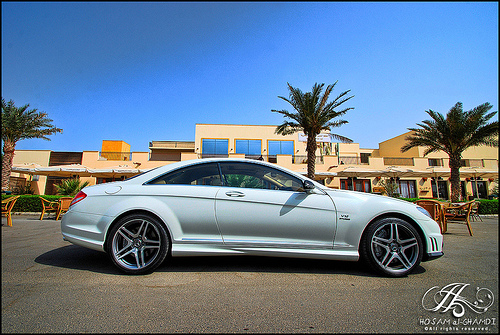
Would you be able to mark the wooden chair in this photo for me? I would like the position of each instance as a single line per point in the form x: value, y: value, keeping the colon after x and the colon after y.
x: 435, y: 209
x: 474, y: 214
x: 7, y: 205
x: 48, y: 206
x: 63, y: 206
x: 460, y: 213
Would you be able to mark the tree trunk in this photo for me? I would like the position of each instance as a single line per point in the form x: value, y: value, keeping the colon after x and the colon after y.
x: 8, y: 156
x: 311, y: 155
x: 456, y: 189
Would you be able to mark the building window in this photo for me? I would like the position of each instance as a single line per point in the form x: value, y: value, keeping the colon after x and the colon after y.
x: 439, y: 188
x: 109, y: 180
x: 435, y: 162
x: 471, y: 163
x: 360, y: 185
x: 249, y: 147
x: 407, y: 189
x: 365, y: 158
x: 214, y: 147
x: 479, y: 189
x: 280, y: 148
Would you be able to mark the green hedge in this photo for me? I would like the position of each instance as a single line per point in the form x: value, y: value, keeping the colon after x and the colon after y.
x: 30, y: 203
x: 488, y: 206
x: 485, y: 206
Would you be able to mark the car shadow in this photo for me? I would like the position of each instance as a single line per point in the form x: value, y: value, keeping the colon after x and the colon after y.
x: 80, y: 258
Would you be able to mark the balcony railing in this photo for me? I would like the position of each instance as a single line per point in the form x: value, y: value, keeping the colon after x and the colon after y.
x: 349, y: 160
x: 115, y: 156
x: 472, y: 163
x: 171, y: 145
x: 297, y: 159
x: 398, y: 161
x: 214, y: 156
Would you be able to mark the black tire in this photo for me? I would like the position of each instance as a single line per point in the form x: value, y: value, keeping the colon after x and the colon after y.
x: 138, y: 244
x: 392, y: 246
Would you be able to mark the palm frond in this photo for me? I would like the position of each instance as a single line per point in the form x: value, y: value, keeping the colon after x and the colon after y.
x: 19, y: 123
x: 312, y: 114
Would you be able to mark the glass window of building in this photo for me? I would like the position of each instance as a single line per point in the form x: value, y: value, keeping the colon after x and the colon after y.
x: 435, y: 162
x: 439, y: 188
x: 360, y: 185
x: 407, y: 189
x: 214, y: 147
x: 249, y: 147
x: 479, y: 189
x: 280, y: 148
x: 365, y: 158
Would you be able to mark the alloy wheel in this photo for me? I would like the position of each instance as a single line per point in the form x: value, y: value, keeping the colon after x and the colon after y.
x: 138, y: 245
x: 394, y: 247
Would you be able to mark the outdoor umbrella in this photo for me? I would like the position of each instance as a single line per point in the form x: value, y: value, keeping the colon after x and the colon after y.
x: 475, y: 172
x: 469, y: 172
x: 436, y: 172
x: 394, y: 172
x: 111, y: 172
x: 25, y: 168
x: 354, y: 171
x: 63, y: 170
x: 317, y: 173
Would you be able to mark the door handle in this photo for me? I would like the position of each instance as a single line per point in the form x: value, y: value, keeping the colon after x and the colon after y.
x: 235, y: 194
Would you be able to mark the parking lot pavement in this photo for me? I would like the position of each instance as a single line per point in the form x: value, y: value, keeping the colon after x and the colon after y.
x: 49, y: 285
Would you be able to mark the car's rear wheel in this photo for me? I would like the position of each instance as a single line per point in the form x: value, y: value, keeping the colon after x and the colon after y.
x: 138, y: 244
x: 392, y: 247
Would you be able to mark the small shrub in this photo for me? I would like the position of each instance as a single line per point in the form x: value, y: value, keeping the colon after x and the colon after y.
x: 70, y: 187
x: 488, y: 206
x: 391, y: 188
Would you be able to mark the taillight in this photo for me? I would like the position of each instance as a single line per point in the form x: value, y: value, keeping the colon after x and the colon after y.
x: 79, y: 197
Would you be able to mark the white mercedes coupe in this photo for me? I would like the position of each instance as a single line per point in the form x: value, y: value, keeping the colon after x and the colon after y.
x: 246, y: 207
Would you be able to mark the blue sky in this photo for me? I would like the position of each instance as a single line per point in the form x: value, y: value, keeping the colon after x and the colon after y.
x: 140, y: 72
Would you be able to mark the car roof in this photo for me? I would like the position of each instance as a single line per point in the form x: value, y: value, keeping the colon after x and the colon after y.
x: 153, y: 173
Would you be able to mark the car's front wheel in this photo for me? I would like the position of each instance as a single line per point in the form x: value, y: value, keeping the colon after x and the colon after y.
x: 138, y: 244
x: 392, y: 246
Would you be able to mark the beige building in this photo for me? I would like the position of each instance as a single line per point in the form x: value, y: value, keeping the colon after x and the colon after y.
x: 338, y: 165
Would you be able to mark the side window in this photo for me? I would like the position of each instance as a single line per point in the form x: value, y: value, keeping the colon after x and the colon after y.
x: 257, y: 176
x: 200, y: 174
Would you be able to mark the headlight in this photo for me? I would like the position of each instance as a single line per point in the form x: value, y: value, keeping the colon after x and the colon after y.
x: 424, y: 211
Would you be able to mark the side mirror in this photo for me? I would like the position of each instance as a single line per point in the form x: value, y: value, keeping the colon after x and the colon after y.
x: 308, y: 185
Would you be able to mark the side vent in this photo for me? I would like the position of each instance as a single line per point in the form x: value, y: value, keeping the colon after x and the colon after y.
x: 434, y: 244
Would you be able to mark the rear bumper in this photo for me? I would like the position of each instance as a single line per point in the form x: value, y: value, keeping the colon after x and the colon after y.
x: 84, y: 229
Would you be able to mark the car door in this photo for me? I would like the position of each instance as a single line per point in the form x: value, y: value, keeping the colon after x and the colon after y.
x: 189, y: 194
x: 265, y: 207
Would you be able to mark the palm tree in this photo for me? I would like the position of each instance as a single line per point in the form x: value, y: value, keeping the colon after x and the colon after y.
x: 19, y: 123
x: 453, y: 135
x: 313, y: 115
